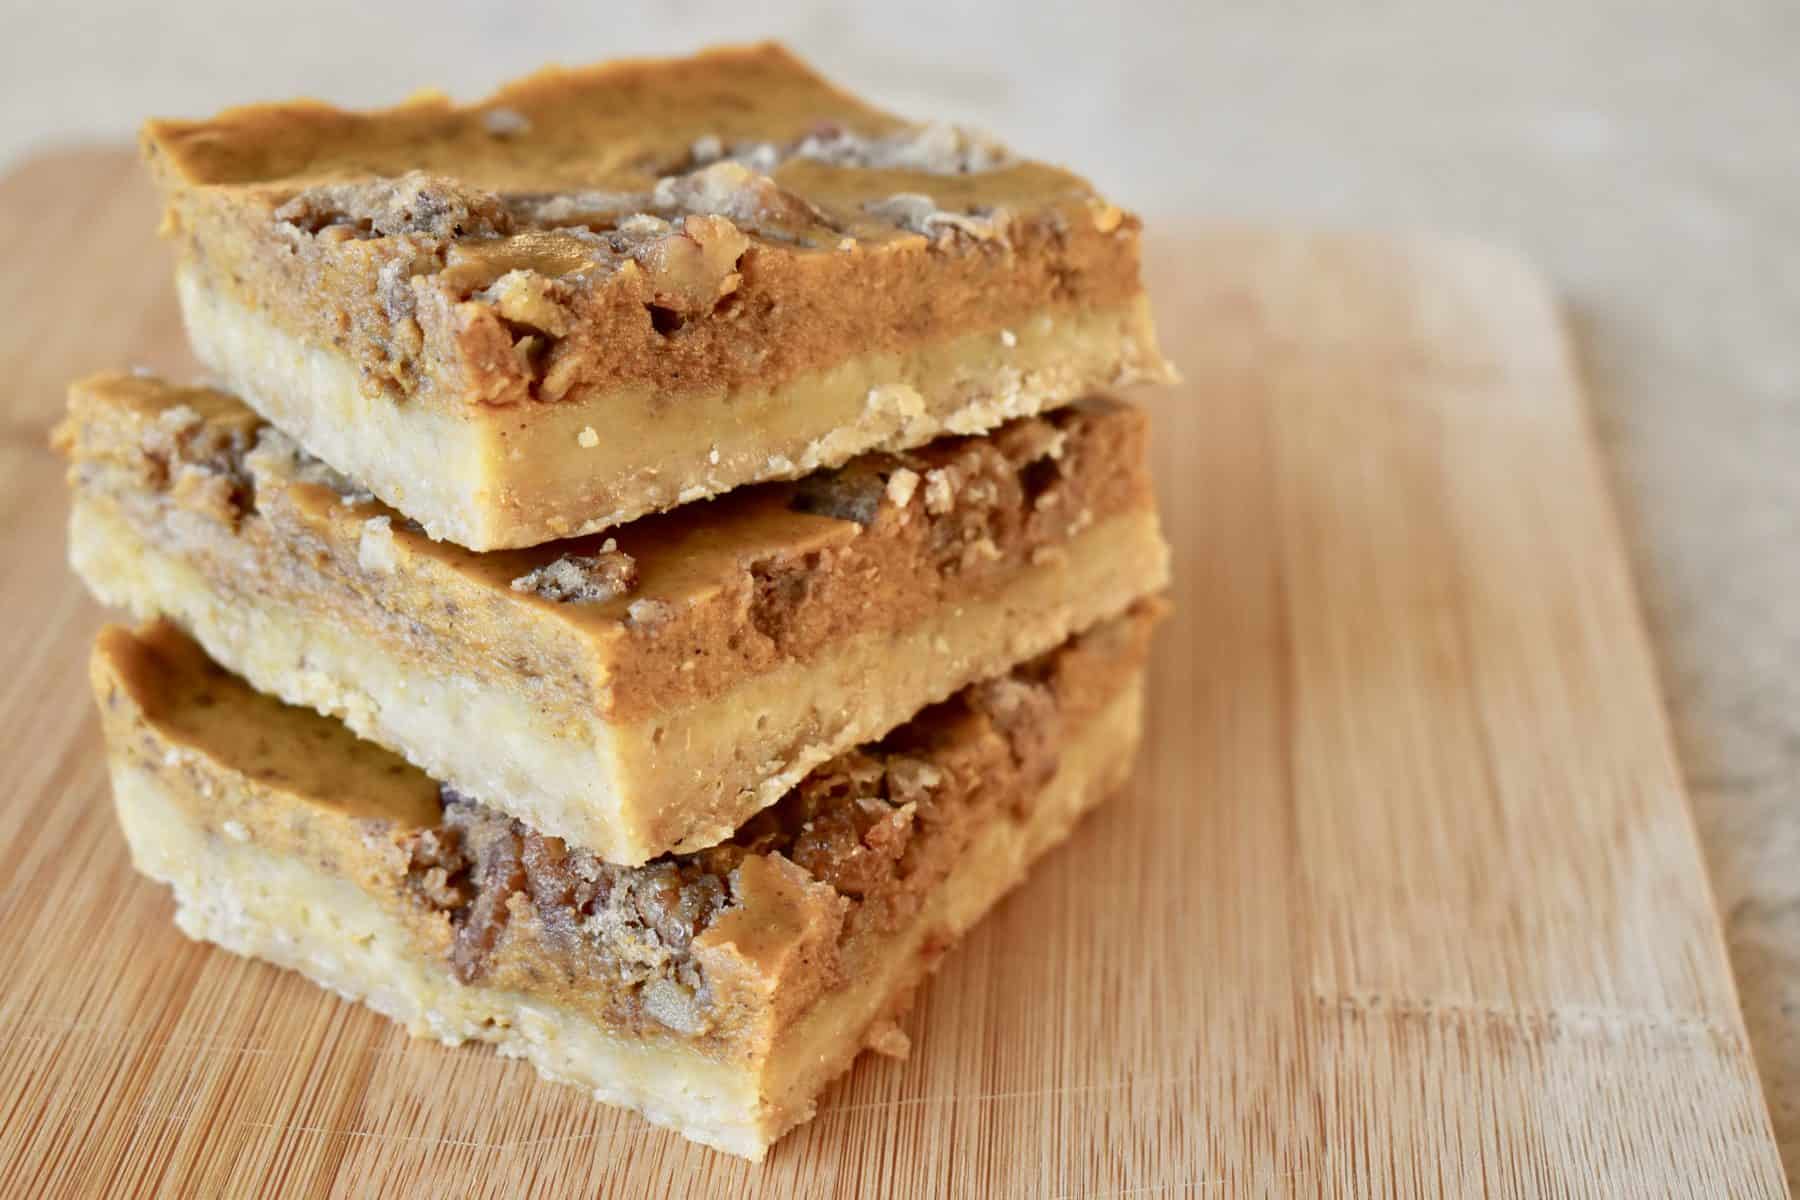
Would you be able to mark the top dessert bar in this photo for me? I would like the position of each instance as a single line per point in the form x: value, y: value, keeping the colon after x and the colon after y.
x: 611, y: 290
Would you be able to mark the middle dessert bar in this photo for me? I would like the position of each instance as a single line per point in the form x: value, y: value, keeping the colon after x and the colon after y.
x: 644, y: 692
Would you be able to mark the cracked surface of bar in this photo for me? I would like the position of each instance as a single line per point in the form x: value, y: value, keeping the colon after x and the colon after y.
x: 716, y: 993
x: 636, y: 692
x: 610, y: 290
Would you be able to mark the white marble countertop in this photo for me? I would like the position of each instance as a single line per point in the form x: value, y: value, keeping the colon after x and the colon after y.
x: 1644, y: 154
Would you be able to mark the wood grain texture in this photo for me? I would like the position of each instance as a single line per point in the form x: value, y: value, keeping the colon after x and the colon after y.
x: 1405, y: 900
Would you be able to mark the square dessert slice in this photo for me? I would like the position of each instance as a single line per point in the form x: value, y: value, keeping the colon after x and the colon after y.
x: 716, y: 993
x: 634, y: 693
x: 607, y: 291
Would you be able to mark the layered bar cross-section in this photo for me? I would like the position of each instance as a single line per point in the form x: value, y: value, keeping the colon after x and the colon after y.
x: 608, y: 291
x: 717, y: 993
x: 637, y: 692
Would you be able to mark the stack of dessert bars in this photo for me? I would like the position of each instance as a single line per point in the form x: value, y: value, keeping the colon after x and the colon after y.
x: 662, y: 569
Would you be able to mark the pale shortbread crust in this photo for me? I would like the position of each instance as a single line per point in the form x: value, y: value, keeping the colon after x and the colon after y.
x: 288, y: 912
x: 490, y: 478
x: 592, y: 782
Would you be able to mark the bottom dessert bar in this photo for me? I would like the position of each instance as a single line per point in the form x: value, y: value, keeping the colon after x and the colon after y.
x: 717, y: 992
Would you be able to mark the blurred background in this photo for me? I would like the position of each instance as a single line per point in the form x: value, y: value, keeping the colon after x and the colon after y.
x: 1645, y: 155
x: 1475, y: 115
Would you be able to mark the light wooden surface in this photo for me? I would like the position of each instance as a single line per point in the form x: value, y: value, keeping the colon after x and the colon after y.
x: 1406, y: 898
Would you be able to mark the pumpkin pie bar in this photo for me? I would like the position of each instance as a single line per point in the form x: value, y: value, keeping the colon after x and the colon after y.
x: 636, y: 692
x: 717, y: 993
x: 612, y: 290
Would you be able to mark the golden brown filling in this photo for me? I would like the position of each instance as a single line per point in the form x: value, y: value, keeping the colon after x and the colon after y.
x: 715, y: 222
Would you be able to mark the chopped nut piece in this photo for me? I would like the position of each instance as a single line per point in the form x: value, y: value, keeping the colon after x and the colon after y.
x: 527, y: 298
x: 505, y: 122
x: 940, y: 491
x: 706, y: 149
x: 645, y: 225
x: 375, y: 548
x: 643, y: 918
x: 920, y: 214
x: 887, y: 1039
x: 572, y: 210
x: 1025, y: 713
x: 897, y: 398
x: 852, y: 493
x: 583, y: 578
x: 648, y: 612
x: 199, y: 462
x: 275, y: 450
x: 694, y: 269
x: 730, y: 189
x: 438, y: 869
x: 415, y: 202
x: 936, y: 148
x: 901, y: 485
x: 981, y: 550
x: 909, y: 210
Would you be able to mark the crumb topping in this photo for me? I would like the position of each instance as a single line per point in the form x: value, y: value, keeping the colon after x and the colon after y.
x: 935, y: 148
x: 429, y: 209
x: 583, y: 578
x: 918, y: 213
x: 431, y: 206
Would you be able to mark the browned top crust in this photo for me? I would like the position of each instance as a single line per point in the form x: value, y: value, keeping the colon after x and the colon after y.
x: 679, y: 224
x: 666, y: 610
x: 723, y: 946
x: 610, y: 126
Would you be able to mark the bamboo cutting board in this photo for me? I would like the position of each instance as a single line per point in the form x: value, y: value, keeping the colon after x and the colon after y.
x: 1405, y: 900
